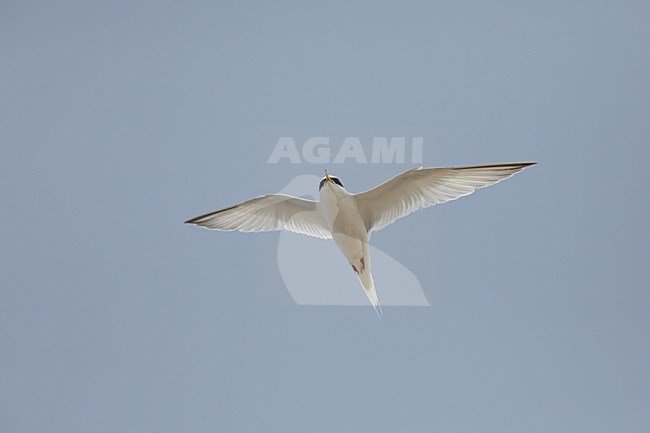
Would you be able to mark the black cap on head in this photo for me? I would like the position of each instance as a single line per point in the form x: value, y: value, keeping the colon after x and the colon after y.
x: 334, y: 179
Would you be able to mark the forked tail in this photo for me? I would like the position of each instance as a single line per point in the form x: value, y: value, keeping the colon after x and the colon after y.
x: 365, y: 278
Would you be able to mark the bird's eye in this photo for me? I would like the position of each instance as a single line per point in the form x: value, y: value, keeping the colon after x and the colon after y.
x: 322, y: 182
x: 337, y: 181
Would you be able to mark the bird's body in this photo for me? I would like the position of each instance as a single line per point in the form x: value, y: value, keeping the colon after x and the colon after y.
x: 341, y: 213
x: 350, y: 219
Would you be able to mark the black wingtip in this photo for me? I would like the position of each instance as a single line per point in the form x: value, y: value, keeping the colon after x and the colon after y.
x: 510, y: 165
x: 195, y: 220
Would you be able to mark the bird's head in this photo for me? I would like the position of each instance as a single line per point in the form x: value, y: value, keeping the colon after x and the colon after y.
x: 329, y: 179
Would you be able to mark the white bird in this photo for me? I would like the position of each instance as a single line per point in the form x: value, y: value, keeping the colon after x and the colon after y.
x: 350, y: 219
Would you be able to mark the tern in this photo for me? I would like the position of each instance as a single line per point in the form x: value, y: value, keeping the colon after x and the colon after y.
x: 350, y: 219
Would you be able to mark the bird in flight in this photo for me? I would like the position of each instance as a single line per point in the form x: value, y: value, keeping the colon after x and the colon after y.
x: 350, y: 219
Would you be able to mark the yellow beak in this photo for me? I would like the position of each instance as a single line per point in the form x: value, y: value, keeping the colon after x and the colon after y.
x: 327, y: 176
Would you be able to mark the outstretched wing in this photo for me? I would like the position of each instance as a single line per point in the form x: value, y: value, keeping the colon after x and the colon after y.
x: 423, y: 187
x: 268, y: 213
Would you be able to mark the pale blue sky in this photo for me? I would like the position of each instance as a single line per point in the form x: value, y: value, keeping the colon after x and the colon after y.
x: 120, y: 120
